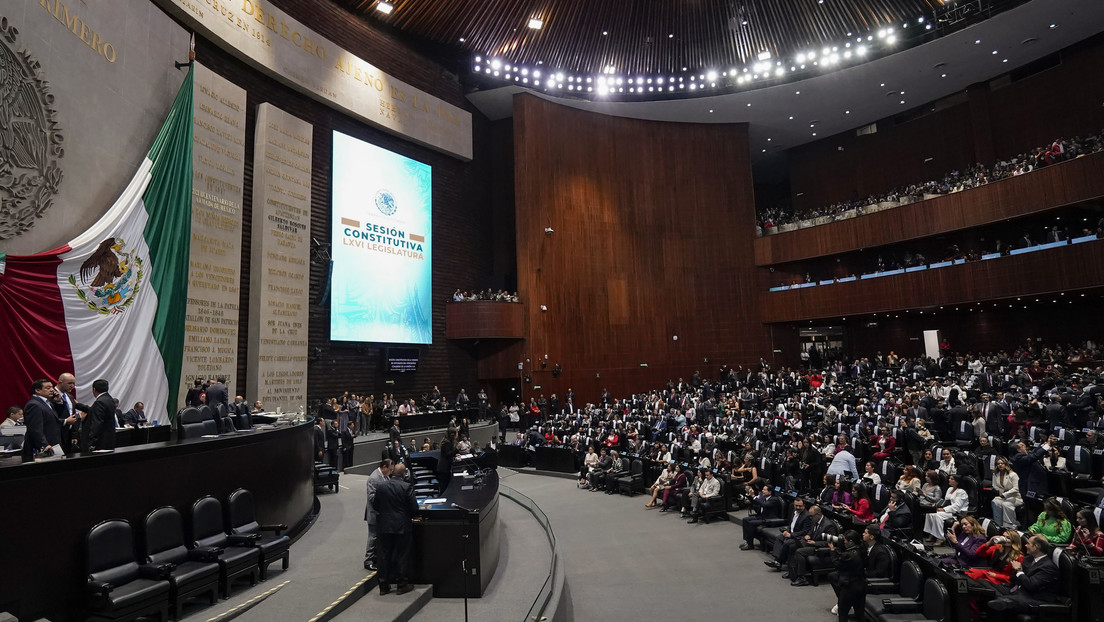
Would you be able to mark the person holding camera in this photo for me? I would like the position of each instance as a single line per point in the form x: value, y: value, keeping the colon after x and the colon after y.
x: 849, y: 579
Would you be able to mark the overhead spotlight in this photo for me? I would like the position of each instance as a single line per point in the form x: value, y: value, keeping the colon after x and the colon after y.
x: 712, y: 76
x: 496, y: 64
x: 536, y: 23
x: 543, y: 308
x: 385, y: 7
x: 764, y: 55
x: 800, y: 58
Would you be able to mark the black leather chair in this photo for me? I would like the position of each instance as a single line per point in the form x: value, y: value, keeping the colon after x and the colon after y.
x: 634, y: 481
x: 242, y: 521
x: 237, y: 556
x: 210, y: 424
x: 118, y: 587
x: 191, y: 423
x: 325, y: 476
x: 907, y: 600
x: 715, y: 506
x: 189, y: 575
x: 935, y: 606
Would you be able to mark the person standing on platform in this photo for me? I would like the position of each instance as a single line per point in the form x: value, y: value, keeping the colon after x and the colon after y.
x: 394, y: 501
x: 333, y: 442
x: 100, y: 421
x: 218, y: 395
x: 67, y: 409
x: 377, y: 477
x: 43, y: 428
x: 394, y: 433
x: 319, y: 439
x: 347, y: 445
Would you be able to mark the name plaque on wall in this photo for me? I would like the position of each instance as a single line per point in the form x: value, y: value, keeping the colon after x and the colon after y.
x: 279, y: 280
x: 214, y: 263
x: 280, y: 45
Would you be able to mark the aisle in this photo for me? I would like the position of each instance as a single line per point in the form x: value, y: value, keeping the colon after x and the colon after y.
x: 627, y: 562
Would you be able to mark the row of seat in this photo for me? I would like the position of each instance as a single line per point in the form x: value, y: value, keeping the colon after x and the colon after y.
x: 172, y: 563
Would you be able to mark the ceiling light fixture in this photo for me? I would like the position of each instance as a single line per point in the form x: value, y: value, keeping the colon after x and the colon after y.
x: 536, y: 23
x: 385, y: 7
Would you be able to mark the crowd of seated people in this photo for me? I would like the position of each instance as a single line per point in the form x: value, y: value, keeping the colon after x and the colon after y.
x: 486, y: 294
x: 890, y: 449
x: 1059, y: 150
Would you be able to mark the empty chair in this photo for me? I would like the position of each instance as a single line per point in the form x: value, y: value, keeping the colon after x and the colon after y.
x: 191, y: 423
x: 191, y: 573
x: 239, y: 558
x: 243, y: 522
x: 118, y: 587
x: 634, y: 481
x: 907, y: 600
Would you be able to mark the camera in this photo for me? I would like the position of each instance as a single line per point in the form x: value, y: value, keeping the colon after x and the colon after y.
x: 830, y: 539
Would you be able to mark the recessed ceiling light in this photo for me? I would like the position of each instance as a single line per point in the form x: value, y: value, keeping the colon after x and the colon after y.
x: 1054, y: 25
x: 536, y: 23
x: 605, y: 32
x: 385, y: 7
x: 462, y: 39
x: 846, y: 112
x: 977, y: 41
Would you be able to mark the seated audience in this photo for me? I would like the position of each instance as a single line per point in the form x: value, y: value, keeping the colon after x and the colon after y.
x: 1088, y: 539
x: 1052, y: 524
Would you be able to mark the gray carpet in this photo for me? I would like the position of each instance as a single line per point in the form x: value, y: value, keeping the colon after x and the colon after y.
x: 325, y: 562
x: 626, y: 562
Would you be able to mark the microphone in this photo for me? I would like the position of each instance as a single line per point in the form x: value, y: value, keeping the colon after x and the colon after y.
x: 460, y: 507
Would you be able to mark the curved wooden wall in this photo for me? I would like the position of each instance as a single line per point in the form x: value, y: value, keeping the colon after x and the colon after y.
x: 653, y: 224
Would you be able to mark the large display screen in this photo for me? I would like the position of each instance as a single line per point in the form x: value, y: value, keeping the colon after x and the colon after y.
x: 381, y: 286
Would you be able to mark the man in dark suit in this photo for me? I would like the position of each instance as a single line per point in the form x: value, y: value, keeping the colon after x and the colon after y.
x: 849, y: 579
x: 43, y: 428
x: 135, y: 417
x: 1033, y: 475
x: 394, y: 501
x: 897, y: 518
x: 347, y: 445
x: 98, y: 427
x: 814, y: 545
x: 878, y: 561
x: 319, y: 440
x: 764, y: 507
x: 218, y: 394
x: 793, y: 534
x: 333, y: 442
x: 1035, y: 579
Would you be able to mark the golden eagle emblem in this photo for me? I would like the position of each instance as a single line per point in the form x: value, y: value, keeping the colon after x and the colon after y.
x: 112, y: 276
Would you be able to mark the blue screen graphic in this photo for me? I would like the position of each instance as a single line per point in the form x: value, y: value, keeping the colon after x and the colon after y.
x: 381, y: 286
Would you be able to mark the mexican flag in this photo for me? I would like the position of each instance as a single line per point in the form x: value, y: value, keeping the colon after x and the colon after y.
x: 110, y: 304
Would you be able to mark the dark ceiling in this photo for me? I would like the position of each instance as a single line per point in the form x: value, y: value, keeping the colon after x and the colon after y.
x: 661, y: 36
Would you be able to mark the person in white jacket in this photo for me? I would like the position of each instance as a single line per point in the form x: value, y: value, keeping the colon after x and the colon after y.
x: 956, y: 500
x: 1007, y: 486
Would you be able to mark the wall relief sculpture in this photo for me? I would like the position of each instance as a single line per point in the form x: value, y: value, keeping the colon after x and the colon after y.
x: 31, y: 141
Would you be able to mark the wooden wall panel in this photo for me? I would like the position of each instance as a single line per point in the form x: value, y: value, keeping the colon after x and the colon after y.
x: 653, y: 223
x: 845, y: 165
x: 1063, y: 269
x: 484, y: 319
x: 1009, y: 119
x: 464, y: 253
x: 1047, y: 188
x: 1062, y: 101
